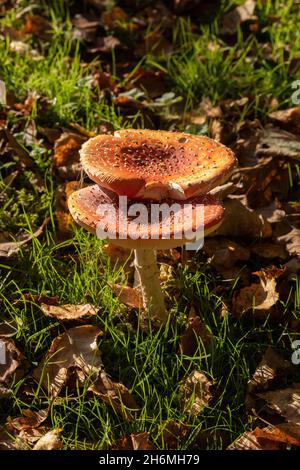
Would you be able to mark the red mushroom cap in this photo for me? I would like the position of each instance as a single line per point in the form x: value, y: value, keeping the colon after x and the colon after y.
x: 84, y: 206
x: 146, y: 164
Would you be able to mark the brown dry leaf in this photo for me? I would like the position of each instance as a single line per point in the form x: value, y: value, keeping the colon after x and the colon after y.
x: 174, y: 434
x: 196, y: 393
x: 290, y: 238
x: 286, y: 402
x: 155, y: 43
x: 29, y: 420
x: 112, y: 18
x: 269, y: 250
x: 259, y: 298
x: 9, y: 248
x: 50, y: 441
x: 84, y: 28
x: 152, y: 81
x: 76, y: 348
x: 128, y: 296
x: 38, y: 26
x: 289, y: 118
x: 241, y: 221
x: 104, y: 44
x: 284, y: 433
x: 276, y: 142
x: 270, y: 365
x: 135, y: 441
x: 118, y: 255
x: 224, y: 253
x: 69, y: 311
x: 5, y: 392
x: 116, y: 395
x: 12, y: 359
x: 238, y: 16
x: 8, y: 329
x: 248, y: 441
x: 66, y: 149
x: 40, y: 298
x: 196, y: 332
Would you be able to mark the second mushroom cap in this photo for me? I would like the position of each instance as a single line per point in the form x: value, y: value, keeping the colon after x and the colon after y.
x: 146, y: 164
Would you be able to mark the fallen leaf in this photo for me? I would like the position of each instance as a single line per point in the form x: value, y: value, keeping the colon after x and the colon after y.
x: 69, y: 311
x: 50, y: 441
x: 269, y: 250
x: 248, y: 441
x: 85, y: 28
x: 290, y: 238
x: 38, y: 26
x: 196, y: 393
x: 270, y: 365
x: 76, y: 348
x: 241, y: 221
x: 174, y: 434
x: 224, y: 253
x: 9, y: 248
x: 288, y: 118
x: 258, y: 298
x: 279, y: 143
x: 10, y: 359
x: 285, y: 402
x: 196, y: 333
x: 279, y: 433
x: 66, y: 149
x: 238, y: 16
x: 29, y: 420
x: 116, y: 395
x: 135, y: 441
x: 8, y: 329
x: 128, y: 296
x: 112, y: 18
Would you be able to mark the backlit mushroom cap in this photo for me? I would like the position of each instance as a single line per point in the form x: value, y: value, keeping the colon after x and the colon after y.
x: 88, y: 207
x: 146, y: 164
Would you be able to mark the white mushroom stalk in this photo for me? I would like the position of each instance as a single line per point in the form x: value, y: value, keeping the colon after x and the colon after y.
x: 149, y: 284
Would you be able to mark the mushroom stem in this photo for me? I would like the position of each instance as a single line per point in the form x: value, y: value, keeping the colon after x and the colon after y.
x: 153, y: 300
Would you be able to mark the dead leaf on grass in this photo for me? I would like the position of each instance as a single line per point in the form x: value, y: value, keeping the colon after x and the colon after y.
x: 76, y: 348
x: 286, y: 433
x: 128, y: 296
x: 11, y: 359
x: 259, y: 298
x: 29, y: 420
x: 196, y: 393
x: 288, y: 118
x: 285, y: 402
x: 238, y: 16
x: 174, y: 434
x: 241, y: 221
x: 276, y: 142
x: 196, y: 332
x: 50, y: 441
x: 66, y: 149
x: 69, y: 311
x: 135, y: 441
x: 270, y: 365
x: 9, y: 248
x: 116, y: 395
x: 248, y: 441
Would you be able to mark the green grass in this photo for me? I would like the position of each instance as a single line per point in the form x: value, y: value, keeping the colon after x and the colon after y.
x: 78, y: 270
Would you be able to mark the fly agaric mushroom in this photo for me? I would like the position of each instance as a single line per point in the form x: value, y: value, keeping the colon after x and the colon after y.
x: 146, y: 164
x: 84, y: 206
x: 151, y: 166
